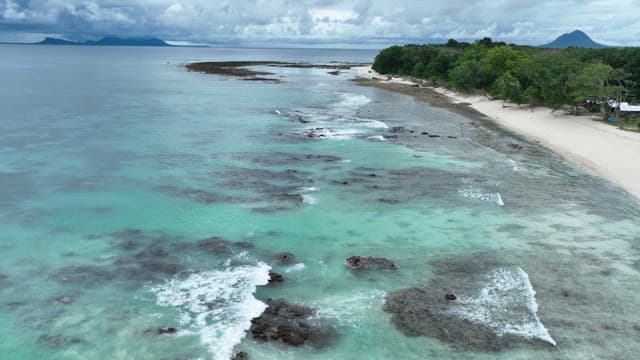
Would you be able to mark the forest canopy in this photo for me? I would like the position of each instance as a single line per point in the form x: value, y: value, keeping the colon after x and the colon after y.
x: 522, y: 74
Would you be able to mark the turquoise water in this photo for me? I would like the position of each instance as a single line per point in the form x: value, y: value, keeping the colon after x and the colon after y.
x: 115, y: 164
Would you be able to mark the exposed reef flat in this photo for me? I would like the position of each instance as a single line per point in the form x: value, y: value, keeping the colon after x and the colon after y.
x: 473, y: 305
x: 240, y: 68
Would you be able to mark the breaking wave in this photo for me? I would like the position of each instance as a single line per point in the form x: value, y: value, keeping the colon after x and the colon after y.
x: 218, y: 305
x: 506, y: 304
x: 471, y: 190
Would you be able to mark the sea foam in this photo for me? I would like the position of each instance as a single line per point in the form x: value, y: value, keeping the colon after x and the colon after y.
x: 506, y: 304
x: 218, y: 305
x: 352, y: 101
x: 472, y: 190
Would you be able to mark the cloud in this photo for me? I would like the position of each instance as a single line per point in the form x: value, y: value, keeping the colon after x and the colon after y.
x: 12, y: 11
x: 300, y: 22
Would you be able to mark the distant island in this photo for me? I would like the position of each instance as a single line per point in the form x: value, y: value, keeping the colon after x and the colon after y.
x: 107, y: 41
x: 577, y: 39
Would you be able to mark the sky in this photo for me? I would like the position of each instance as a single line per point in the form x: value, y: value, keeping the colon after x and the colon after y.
x: 321, y: 23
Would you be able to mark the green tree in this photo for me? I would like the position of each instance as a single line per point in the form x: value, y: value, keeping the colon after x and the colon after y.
x: 500, y: 60
x: 508, y: 87
x: 466, y: 76
x: 388, y: 60
x: 593, y: 81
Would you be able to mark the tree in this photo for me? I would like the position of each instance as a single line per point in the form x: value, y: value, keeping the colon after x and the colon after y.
x: 508, y: 87
x: 593, y: 81
x: 388, y: 60
x: 501, y: 59
x: 466, y: 76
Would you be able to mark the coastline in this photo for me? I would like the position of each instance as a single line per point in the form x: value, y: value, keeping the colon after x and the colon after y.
x: 601, y: 149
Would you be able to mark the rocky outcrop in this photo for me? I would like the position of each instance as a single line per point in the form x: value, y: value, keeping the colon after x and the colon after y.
x: 275, y: 278
x: 285, y: 258
x: 289, y: 324
x: 369, y: 262
x: 241, y: 355
x: 471, y: 304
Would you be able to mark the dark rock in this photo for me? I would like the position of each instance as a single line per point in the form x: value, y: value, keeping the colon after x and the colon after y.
x: 197, y: 195
x: 389, y: 201
x: 336, y: 72
x: 58, y: 341
x: 15, y: 304
x: 4, y: 280
x: 426, y: 312
x: 295, y: 199
x: 167, y: 330
x: 260, y: 78
x: 424, y: 133
x: 275, y: 278
x: 434, y: 136
x: 152, y: 251
x: 129, y: 245
x: 416, y: 312
x: 87, y: 275
x: 240, y: 356
x: 452, y: 137
x: 215, y: 244
x: 362, y: 262
x: 230, y: 68
x: 285, y: 258
x: 243, y: 244
x: 161, y: 267
x: 515, y: 146
x: 270, y: 209
x: 127, y: 234
x: 290, y: 324
x: 397, y: 129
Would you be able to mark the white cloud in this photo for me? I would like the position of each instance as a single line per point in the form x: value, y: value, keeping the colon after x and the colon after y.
x: 12, y: 11
x: 314, y: 21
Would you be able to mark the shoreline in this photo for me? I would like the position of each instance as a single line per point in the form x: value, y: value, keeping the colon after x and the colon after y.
x: 597, y: 147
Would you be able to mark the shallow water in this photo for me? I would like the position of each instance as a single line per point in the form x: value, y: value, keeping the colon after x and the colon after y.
x: 136, y: 195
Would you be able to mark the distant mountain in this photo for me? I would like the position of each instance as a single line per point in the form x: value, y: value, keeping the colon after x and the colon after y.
x: 575, y: 39
x: 114, y: 41
x: 54, y: 41
x: 107, y: 41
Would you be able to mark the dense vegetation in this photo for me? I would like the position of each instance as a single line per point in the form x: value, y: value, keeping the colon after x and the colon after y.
x: 522, y: 74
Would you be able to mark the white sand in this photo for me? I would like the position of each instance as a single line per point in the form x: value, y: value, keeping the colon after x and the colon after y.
x: 603, y: 149
x: 367, y: 72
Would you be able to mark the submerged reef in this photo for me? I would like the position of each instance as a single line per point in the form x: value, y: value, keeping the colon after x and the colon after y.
x: 489, y: 307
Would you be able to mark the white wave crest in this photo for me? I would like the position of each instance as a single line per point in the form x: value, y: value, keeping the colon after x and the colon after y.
x: 507, y: 305
x: 305, y: 189
x: 471, y: 192
x: 309, y: 200
x: 352, y: 310
x: 218, y: 305
x: 374, y: 124
x: 352, y: 101
x: 296, y: 267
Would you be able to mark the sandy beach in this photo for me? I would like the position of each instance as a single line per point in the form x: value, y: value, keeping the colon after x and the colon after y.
x: 598, y: 147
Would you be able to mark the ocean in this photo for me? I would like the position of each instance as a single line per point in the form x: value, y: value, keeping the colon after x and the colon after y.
x: 143, y: 207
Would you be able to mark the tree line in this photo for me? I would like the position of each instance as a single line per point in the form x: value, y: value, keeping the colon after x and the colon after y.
x: 522, y: 74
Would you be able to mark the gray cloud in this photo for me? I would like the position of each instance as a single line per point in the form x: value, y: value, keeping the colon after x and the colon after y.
x: 299, y: 22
